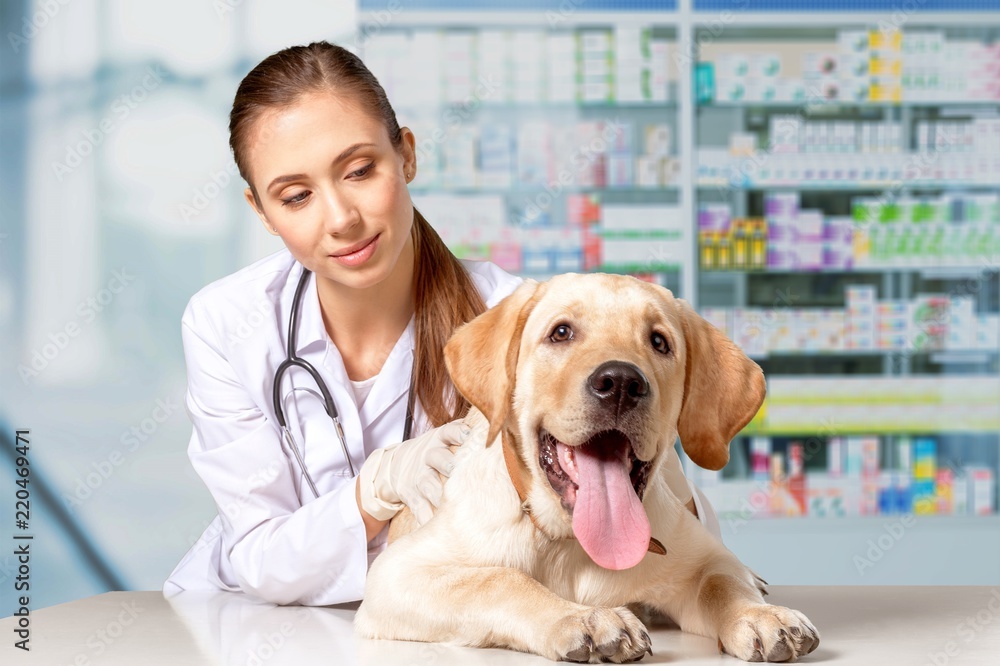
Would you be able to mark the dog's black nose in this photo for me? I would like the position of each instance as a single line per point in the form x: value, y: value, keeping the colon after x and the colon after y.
x: 618, y: 384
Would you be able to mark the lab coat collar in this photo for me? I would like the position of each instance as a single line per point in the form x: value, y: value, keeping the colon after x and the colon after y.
x: 393, y: 379
x: 312, y: 330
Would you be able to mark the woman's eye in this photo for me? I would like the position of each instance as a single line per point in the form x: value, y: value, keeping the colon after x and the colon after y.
x: 659, y: 343
x: 561, y: 333
x: 297, y: 199
x: 362, y: 171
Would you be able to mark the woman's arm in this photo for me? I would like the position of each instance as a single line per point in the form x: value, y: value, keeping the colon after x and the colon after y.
x: 282, y: 552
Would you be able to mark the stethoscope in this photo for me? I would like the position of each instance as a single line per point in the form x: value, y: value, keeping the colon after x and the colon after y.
x: 331, y: 409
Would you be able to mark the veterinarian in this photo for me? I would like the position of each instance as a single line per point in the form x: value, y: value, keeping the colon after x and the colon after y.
x: 348, y: 321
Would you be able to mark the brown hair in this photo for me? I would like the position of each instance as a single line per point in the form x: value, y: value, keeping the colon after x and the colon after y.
x: 445, y: 296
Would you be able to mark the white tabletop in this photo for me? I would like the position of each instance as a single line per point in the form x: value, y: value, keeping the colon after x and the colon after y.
x: 859, y: 625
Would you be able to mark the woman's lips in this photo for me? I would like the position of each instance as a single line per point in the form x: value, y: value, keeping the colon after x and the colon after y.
x: 359, y: 253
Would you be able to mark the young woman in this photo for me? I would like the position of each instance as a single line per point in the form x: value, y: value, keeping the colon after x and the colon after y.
x: 327, y: 168
x: 362, y: 300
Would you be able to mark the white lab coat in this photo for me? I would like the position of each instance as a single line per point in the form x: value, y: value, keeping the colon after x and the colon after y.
x: 272, y: 538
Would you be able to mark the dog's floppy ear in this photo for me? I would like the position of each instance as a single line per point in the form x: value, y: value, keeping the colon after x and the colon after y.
x: 481, y: 355
x: 723, y: 389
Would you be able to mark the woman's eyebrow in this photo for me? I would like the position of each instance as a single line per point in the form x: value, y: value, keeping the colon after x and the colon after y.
x: 342, y: 156
x: 351, y: 150
x: 285, y: 179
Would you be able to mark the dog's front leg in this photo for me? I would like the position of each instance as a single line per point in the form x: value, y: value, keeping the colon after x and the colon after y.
x: 496, y: 607
x: 729, y: 604
x: 706, y: 590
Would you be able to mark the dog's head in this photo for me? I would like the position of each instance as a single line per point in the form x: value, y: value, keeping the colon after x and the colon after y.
x: 591, y: 378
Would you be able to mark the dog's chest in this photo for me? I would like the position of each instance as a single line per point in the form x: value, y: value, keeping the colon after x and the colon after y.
x: 563, y: 567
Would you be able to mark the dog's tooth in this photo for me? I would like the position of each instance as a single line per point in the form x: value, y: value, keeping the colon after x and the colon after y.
x: 567, y: 462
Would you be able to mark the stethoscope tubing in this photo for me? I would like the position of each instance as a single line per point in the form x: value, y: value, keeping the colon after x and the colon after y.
x: 291, y: 360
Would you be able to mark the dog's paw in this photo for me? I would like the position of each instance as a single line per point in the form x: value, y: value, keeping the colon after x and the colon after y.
x: 593, y: 635
x: 769, y: 633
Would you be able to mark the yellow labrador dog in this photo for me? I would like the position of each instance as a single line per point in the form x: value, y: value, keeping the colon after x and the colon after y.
x: 554, y: 523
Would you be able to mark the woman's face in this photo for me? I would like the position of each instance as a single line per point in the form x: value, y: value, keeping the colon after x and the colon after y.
x: 333, y: 187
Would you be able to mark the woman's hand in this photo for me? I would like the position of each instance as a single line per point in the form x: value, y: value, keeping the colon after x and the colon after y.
x: 407, y: 473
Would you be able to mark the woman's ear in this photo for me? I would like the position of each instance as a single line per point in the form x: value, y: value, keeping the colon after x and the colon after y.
x: 409, y: 153
x: 482, y: 355
x: 723, y: 389
x: 252, y: 200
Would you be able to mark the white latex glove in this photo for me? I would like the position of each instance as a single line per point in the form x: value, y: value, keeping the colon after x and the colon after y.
x: 407, y: 473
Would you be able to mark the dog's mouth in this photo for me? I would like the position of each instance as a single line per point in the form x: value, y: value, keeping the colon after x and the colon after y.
x: 559, y: 462
x: 601, y: 483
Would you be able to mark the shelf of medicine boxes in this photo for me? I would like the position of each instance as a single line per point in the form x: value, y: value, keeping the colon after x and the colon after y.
x: 614, y: 150
x: 742, y: 177
x: 503, y: 179
x: 829, y: 106
x: 889, y: 79
x: 897, y: 185
x: 830, y: 400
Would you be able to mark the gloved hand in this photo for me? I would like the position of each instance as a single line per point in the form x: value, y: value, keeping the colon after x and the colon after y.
x: 407, y: 473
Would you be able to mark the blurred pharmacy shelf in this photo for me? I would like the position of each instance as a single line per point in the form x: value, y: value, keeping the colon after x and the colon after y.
x: 847, y: 186
x: 930, y: 271
x: 821, y: 107
x: 822, y: 185
x: 849, y: 241
x: 549, y: 148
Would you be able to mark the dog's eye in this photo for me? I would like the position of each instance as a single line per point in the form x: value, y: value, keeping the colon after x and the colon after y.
x: 659, y: 343
x: 561, y: 333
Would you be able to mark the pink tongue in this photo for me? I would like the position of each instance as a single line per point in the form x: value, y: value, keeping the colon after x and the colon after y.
x: 608, y: 518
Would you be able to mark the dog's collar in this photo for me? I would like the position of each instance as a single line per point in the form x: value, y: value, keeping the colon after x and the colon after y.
x: 518, y: 475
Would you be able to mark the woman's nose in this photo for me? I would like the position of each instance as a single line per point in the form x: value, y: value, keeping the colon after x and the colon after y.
x: 341, y: 211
